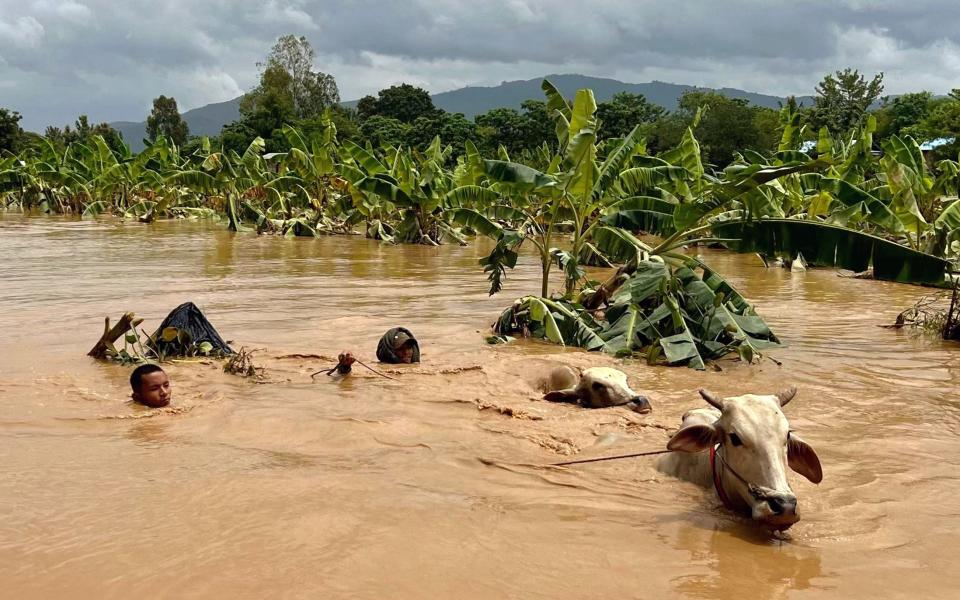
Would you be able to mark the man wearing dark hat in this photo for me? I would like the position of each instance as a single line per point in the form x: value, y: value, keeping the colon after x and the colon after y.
x: 398, y: 346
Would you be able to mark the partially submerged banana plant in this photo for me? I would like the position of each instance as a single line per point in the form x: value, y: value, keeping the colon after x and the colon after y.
x: 675, y: 315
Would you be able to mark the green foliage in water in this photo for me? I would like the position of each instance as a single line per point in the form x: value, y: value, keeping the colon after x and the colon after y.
x: 675, y: 316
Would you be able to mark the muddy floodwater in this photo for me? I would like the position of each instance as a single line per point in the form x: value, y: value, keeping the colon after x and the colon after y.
x: 430, y: 486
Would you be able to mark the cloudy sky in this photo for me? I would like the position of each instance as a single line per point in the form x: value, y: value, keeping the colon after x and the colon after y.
x: 108, y: 59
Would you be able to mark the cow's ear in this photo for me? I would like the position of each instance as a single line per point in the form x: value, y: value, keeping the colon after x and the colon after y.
x: 803, y: 459
x: 568, y: 395
x: 695, y: 438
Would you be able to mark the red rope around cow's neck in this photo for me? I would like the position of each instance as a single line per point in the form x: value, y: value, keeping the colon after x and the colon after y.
x: 717, y: 483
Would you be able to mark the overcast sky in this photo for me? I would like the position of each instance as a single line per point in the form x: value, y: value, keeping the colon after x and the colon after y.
x: 109, y: 59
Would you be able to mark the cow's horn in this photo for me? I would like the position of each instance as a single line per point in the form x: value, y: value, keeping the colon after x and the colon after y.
x: 787, y: 395
x: 712, y: 399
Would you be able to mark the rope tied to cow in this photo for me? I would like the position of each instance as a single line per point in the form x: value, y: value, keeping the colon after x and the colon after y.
x: 604, y: 458
x: 345, y: 362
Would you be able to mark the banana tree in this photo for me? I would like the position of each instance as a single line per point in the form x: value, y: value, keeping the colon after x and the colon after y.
x: 415, y: 185
x: 560, y: 203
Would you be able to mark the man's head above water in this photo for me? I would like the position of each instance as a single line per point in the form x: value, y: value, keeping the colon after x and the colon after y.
x: 403, y: 346
x: 151, y: 386
x: 398, y: 345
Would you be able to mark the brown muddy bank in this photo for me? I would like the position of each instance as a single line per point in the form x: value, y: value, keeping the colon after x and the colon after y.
x: 428, y: 486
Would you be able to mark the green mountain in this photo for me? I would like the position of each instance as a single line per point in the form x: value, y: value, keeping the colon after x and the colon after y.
x: 474, y: 100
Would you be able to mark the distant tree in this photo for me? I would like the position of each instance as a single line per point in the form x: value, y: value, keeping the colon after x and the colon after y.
x: 904, y: 114
x: 346, y: 121
x: 112, y: 137
x: 379, y: 130
x: 366, y: 107
x: 309, y: 91
x: 454, y: 129
x: 290, y: 92
x: 769, y: 129
x: 403, y: 102
x: 502, y: 127
x: 165, y: 120
x: 665, y: 132
x: 10, y: 131
x: 727, y: 125
x: 843, y: 98
x: 942, y: 121
x: 422, y: 131
x: 624, y: 112
x: 55, y: 135
x: 82, y: 131
x: 263, y: 113
x: 236, y: 136
x: 516, y: 131
x: 540, y: 127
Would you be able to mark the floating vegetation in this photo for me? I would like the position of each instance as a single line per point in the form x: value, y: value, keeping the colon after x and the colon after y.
x: 935, y: 314
x: 241, y: 363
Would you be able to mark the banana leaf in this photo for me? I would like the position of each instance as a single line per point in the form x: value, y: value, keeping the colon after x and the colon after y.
x: 468, y: 217
x: 632, y: 328
x: 878, y: 212
x: 642, y: 213
x: 467, y: 196
x: 832, y: 246
x: 647, y: 280
x: 541, y: 313
x: 615, y: 244
x: 682, y: 349
x: 520, y: 177
x: 950, y: 217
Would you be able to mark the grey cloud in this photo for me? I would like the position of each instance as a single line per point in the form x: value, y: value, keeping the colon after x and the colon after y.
x: 109, y: 59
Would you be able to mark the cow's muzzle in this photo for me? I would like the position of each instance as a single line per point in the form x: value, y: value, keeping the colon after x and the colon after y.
x: 640, y: 404
x: 777, y: 510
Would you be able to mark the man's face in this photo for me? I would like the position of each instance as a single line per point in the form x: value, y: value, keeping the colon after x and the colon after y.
x: 154, y: 391
x: 405, y: 353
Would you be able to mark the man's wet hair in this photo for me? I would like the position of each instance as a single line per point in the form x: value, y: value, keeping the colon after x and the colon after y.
x: 138, y: 373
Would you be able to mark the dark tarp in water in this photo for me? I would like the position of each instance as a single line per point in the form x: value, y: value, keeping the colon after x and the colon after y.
x: 394, y: 338
x: 188, y: 318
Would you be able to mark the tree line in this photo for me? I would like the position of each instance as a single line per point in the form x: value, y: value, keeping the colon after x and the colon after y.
x: 291, y: 92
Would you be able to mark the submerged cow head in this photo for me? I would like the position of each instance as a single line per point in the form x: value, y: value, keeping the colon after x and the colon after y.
x: 598, y: 387
x: 755, y: 448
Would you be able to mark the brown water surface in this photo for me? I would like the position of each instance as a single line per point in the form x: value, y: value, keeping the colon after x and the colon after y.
x: 428, y: 486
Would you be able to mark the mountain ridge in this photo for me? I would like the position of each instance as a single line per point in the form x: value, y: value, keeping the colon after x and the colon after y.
x: 473, y: 100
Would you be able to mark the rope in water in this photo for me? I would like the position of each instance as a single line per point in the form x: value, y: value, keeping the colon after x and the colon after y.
x: 603, y: 458
x: 347, y: 359
x: 376, y: 371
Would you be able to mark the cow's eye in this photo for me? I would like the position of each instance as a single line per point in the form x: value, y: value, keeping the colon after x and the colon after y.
x: 735, y: 440
x: 597, y: 386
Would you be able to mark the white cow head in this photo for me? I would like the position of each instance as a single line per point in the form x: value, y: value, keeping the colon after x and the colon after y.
x: 756, y: 444
x: 597, y: 387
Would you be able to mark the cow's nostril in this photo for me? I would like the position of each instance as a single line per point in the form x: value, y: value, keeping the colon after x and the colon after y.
x: 776, y: 505
x: 782, y: 504
x: 640, y: 404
